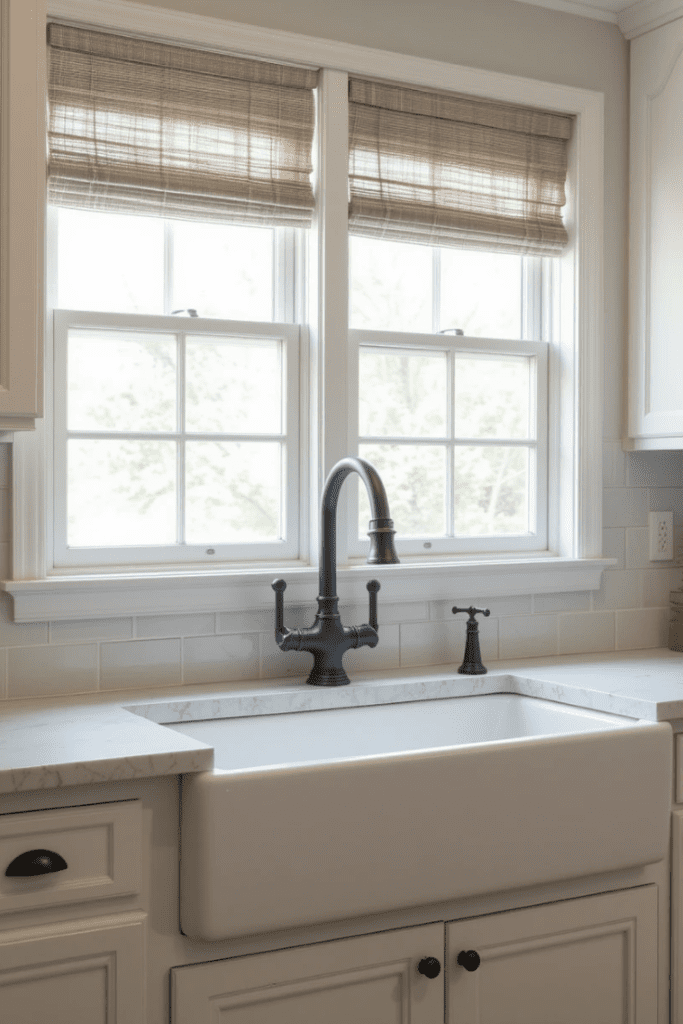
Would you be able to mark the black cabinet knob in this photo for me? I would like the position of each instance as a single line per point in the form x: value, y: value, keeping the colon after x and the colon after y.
x: 469, y: 959
x: 36, y: 862
x: 430, y: 967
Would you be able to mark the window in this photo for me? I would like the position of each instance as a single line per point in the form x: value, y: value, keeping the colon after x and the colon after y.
x: 453, y: 417
x: 176, y: 437
x: 328, y: 377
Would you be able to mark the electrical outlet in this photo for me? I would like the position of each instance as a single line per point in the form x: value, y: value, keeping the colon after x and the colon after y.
x: 661, y: 536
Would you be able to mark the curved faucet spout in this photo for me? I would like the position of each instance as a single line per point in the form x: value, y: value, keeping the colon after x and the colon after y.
x: 328, y: 639
x: 381, y: 527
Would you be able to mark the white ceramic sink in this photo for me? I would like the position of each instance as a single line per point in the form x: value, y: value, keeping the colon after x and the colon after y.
x: 322, y: 815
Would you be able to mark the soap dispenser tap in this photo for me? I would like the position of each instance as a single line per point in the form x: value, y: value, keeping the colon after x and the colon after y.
x: 471, y: 665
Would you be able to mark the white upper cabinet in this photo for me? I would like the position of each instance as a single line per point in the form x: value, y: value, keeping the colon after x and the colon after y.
x: 655, y: 418
x: 22, y: 201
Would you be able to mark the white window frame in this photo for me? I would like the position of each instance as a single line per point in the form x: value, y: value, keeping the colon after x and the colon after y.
x: 537, y: 442
x: 65, y: 557
x: 572, y: 560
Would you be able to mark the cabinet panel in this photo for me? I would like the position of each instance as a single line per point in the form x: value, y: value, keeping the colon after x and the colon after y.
x: 78, y: 972
x: 656, y: 240
x: 592, y: 960
x: 372, y: 979
x: 101, y: 846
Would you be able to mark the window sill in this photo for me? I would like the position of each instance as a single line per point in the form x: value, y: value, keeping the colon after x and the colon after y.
x: 61, y: 598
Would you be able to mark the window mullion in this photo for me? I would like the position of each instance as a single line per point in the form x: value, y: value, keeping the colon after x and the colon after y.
x: 180, y: 451
x: 436, y: 289
x: 532, y: 311
x: 332, y: 419
x: 450, y: 467
x: 168, y: 266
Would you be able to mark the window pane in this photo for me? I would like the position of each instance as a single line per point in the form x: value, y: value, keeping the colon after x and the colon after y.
x: 233, y: 491
x: 223, y: 271
x: 415, y: 480
x: 481, y: 293
x: 492, y: 396
x: 390, y: 286
x: 491, y: 491
x: 234, y: 385
x: 402, y: 392
x: 120, y: 380
x: 121, y: 493
x: 109, y: 262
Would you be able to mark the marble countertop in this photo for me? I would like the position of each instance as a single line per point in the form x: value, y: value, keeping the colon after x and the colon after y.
x: 83, y: 739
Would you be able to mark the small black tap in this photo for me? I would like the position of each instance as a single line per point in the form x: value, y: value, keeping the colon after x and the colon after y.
x: 471, y: 665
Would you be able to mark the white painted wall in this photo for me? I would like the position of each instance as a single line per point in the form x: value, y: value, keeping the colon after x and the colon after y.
x: 631, y: 609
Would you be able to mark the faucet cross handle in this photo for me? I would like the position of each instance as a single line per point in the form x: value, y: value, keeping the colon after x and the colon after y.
x: 472, y: 611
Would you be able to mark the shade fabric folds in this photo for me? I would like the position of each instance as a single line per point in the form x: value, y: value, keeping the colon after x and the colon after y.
x: 443, y: 169
x: 142, y: 127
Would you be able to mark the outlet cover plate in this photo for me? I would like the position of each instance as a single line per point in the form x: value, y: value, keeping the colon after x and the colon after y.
x: 661, y: 536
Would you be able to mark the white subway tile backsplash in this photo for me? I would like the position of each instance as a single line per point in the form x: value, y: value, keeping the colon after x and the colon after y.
x: 139, y: 663
x: 218, y: 659
x: 614, y: 545
x: 81, y: 630
x: 586, y: 632
x: 19, y: 634
x: 668, y: 499
x: 620, y: 588
x: 637, y: 548
x: 43, y: 670
x: 658, y: 584
x: 443, y: 642
x: 579, y: 601
x: 654, y: 469
x: 515, y: 605
x: 640, y: 628
x: 175, y: 625
x: 625, y: 506
x: 384, y: 655
x: 276, y: 663
x: 527, y: 636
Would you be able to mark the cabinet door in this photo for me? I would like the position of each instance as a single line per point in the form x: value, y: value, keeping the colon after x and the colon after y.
x: 586, y: 961
x: 656, y: 240
x: 77, y: 972
x: 372, y: 979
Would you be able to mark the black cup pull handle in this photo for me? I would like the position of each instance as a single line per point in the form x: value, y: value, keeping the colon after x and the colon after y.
x: 429, y: 966
x: 36, y: 862
x: 469, y: 959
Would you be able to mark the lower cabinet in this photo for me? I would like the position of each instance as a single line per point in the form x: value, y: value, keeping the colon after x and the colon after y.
x: 87, y: 971
x: 591, y: 960
x: 586, y: 961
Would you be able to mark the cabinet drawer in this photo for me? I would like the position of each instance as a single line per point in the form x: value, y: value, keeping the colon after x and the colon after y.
x: 100, y: 843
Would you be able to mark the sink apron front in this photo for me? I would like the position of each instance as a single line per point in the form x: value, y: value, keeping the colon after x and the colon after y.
x: 287, y: 845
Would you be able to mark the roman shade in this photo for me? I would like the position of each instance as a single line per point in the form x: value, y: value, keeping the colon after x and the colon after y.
x: 142, y: 127
x: 442, y: 169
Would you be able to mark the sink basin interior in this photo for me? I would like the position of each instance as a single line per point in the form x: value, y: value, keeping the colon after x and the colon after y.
x: 337, y: 733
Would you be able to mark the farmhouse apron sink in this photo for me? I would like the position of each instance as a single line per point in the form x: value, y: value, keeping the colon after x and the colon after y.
x: 323, y: 815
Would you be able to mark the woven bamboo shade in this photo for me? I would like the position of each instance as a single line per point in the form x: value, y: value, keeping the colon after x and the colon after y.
x: 443, y: 169
x: 142, y: 127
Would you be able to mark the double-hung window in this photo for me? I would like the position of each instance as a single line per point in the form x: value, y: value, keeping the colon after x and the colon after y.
x: 182, y: 185
x: 180, y: 190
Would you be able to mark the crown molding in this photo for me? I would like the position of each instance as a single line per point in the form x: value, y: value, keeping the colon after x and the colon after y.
x: 648, y: 14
